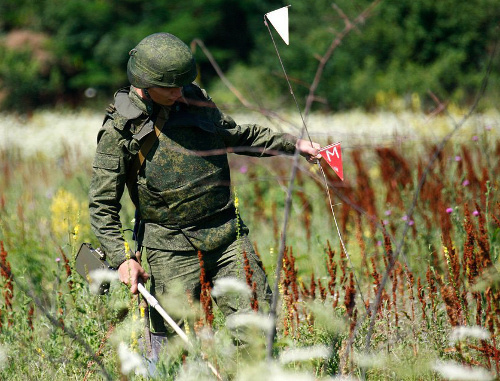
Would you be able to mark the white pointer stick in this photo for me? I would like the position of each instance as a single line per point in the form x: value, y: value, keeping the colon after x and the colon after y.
x: 156, y: 305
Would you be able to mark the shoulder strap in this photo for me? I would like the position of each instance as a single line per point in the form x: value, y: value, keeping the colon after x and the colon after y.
x: 146, y: 146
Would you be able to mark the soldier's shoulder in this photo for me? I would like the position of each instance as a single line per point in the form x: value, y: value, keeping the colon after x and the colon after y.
x: 122, y: 111
x: 195, y: 92
x: 199, y: 102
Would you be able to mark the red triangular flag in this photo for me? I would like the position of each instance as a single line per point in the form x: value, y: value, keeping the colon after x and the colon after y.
x: 333, y: 156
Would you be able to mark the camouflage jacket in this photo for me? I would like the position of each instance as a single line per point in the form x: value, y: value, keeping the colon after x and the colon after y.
x: 182, y: 191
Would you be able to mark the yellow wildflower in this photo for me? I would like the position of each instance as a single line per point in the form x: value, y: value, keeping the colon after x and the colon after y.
x: 76, y: 229
x: 40, y: 352
x: 143, y: 312
x: 66, y: 213
x: 127, y: 249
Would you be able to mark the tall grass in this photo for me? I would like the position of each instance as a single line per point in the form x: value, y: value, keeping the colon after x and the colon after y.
x: 439, y: 312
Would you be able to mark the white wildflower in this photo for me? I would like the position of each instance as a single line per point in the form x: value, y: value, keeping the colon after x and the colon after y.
x: 325, y: 317
x: 369, y: 360
x: 100, y: 276
x: 194, y: 370
x: 3, y: 357
x: 305, y: 354
x: 271, y: 372
x: 475, y: 332
x: 451, y: 370
x: 205, y: 334
x: 230, y: 286
x: 51, y: 128
x: 249, y: 319
x: 128, y: 330
x: 130, y: 361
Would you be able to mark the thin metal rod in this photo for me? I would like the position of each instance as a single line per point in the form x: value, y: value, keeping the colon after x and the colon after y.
x: 273, y: 314
x: 274, y: 304
x: 340, y: 237
x: 288, y: 81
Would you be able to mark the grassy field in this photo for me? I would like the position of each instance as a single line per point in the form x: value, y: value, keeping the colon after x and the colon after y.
x: 415, y: 296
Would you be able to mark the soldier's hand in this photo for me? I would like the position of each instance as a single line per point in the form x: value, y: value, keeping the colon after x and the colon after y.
x: 308, y: 150
x: 131, y: 273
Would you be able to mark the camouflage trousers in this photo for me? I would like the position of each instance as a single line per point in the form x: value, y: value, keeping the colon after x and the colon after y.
x: 169, y: 269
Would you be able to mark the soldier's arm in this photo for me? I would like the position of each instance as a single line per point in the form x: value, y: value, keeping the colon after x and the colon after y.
x: 106, y: 189
x: 255, y: 140
x: 249, y: 139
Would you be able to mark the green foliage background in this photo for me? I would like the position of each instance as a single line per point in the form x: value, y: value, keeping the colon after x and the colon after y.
x: 405, y: 47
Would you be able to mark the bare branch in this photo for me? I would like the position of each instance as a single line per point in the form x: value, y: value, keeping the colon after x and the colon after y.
x: 347, y: 21
x: 360, y: 19
x: 219, y: 72
x: 270, y: 114
x: 441, y: 106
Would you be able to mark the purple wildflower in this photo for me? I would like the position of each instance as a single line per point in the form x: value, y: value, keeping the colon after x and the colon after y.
x: 465, y: 182
x: 475, y: 138
x: 449, y: 210
x: 458, y: 158
x: 475, y: 213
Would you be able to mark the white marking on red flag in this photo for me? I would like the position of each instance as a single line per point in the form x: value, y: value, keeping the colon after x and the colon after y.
x: 279, y: 19
x: 333, y: 156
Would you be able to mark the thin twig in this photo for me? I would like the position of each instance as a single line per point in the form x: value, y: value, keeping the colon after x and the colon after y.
x: 99, y: 351
x: 219, y: 72
x: 270, y: 114
x: 361, y: 18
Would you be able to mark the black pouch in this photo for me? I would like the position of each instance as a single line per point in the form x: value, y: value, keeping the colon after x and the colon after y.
x: 89, y: 259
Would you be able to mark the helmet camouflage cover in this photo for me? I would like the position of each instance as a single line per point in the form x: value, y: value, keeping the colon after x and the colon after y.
x: 161, y: 60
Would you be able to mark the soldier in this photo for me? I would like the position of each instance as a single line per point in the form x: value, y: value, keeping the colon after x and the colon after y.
x: 167, y: 141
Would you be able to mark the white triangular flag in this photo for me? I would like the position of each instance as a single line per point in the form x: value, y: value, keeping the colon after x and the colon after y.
x: 279, y: 19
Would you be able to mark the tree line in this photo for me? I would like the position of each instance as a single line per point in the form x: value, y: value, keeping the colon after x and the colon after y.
x: 63, y: 52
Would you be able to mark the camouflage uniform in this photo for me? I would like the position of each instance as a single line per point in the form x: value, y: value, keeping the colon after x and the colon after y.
x: 182, y: 192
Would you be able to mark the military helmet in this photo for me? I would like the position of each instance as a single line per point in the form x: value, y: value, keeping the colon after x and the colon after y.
x: 161, y: 60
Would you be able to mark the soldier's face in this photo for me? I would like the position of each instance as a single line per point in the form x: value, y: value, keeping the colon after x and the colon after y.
x: 165, y: 96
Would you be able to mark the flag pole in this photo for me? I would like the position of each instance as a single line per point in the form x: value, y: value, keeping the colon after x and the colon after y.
x: 283, y: 32
x: 274, y: 304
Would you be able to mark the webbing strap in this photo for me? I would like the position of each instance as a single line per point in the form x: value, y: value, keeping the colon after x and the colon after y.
x: 144, y: 150
x: 150, y: 140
